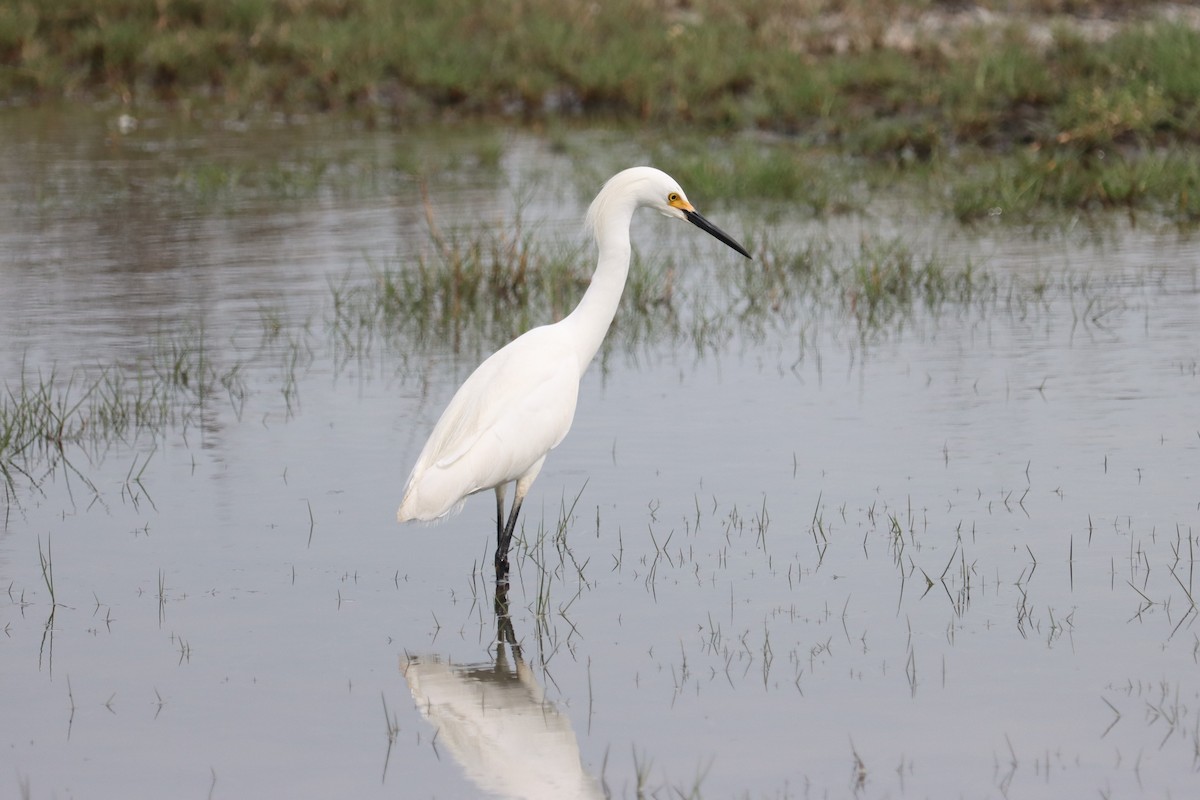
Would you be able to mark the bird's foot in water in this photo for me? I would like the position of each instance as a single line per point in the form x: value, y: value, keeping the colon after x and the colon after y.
x: 501, y: 571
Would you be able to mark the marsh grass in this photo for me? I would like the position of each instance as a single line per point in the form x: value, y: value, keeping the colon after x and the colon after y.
x: 39, y: 418
x: 874, y: 286
x: 1037, y: 85
x: 183, y: 365
x: 46, y: 560
x: 762, y: 174
x: 887, y: 278
x: 470, y: 290
x: 1037, y: 185
x: 47, y: 420
x: 844, y: 70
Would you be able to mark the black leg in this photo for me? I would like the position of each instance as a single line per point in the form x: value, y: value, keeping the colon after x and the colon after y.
x: 503, y: 539
x: 501, y: 571
x: 499, y: 513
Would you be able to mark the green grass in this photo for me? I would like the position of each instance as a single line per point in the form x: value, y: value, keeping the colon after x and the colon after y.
x: 471, y: 290
x: 838, y: 70
x: 1035, y: 185
x: 39, y: 418
x: 46, y: 418
x: 778, y: 175
x: 1031, y: 112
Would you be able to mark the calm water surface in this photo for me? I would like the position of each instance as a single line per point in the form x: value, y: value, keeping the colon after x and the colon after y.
x: 949, y: 555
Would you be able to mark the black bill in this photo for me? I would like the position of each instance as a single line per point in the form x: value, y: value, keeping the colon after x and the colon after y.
x: 697, y: 219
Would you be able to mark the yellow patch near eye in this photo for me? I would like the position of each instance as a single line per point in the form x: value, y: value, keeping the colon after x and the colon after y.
x: 675, y: 200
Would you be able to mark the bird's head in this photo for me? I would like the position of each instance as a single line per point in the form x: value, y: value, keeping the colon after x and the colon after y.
x: 652, y: 188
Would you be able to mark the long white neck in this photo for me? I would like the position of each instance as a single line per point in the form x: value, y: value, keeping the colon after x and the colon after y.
x: 590, y: 320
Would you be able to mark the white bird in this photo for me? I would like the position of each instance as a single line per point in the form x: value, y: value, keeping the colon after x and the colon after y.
x: 519, y: 403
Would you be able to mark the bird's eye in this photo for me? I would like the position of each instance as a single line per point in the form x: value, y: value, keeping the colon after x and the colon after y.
x: 673, y: 197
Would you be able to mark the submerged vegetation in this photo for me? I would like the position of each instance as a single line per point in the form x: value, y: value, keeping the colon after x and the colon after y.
x: 45, y: 417
x: 1012, y: 106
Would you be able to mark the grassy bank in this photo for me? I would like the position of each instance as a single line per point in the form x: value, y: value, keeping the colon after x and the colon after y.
x: 877, y: 75
x: 1084, y: 102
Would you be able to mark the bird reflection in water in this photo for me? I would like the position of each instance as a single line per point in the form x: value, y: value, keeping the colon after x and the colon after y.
x: 496, y: 722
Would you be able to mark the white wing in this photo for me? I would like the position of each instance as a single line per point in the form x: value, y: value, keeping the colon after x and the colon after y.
x: 513, y: 409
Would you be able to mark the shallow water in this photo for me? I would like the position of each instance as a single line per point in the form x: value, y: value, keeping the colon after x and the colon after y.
x: 952, y: 554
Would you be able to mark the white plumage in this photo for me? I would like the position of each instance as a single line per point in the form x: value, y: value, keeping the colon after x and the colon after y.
x: 519, y: 403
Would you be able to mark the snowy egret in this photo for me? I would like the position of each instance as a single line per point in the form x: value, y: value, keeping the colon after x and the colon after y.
x: 519, y: 403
